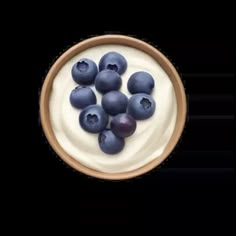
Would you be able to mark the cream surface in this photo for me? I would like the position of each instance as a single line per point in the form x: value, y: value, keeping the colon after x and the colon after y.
x: 151, y: 136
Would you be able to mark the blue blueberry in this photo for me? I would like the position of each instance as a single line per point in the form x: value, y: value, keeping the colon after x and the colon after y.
x: 113, y: 61
x: 93, y: 119
x: 109, y: 142
x: 141, y: 82
x: 123, y: 125
x: 84, y: 71
x: 82, y: 97
x: 107, y: 80
x: 114, y: 102
x: 141, y: 106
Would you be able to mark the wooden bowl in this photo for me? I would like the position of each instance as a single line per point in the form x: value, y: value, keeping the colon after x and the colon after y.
x: 120, y: 40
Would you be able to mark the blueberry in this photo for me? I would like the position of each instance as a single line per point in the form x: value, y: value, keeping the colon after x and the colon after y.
x: 93, y: 119
x: 113, y: 61
x: 84, y: 71
x: 107, y: 80
x: 82, y: 97
x: 140, y: 82
x: 114, y: 102
x: 109, y: 142
x: 141, y: 106
x: 123, y: 125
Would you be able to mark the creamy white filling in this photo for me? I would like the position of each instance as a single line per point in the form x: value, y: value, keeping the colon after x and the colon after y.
x: 151, y: 136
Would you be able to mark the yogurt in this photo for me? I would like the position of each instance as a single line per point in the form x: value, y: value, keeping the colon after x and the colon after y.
x: 151, y: 136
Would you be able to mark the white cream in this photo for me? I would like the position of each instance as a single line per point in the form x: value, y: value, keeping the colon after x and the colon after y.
x: 151, y: 136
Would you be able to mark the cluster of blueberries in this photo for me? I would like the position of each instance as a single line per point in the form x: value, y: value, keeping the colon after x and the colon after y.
x: 124, y: 111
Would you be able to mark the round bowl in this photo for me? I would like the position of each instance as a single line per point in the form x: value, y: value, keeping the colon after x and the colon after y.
x: 120, y: 40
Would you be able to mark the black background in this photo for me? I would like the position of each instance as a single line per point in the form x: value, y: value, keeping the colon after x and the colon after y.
x: 196, y: 180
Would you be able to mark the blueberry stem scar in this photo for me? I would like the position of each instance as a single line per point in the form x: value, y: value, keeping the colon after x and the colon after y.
x: 82, y: 66
x: 92, y: 118
x: 112, y: 67
x: 145, y: 103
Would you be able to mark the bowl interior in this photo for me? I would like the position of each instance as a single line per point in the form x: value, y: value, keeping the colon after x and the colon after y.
x: 127, y: 41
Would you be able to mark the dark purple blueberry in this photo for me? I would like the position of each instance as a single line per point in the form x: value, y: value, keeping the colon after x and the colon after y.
x: 140, y: 82
x: 107, y: 80
x: 141, y: 106
x: 113, y: 61
x: 82, y: 97
x: 93, y: 119
x: 123, y: 125
x: 109, y: 142
x: 114, y: 102
x: 84, y: 71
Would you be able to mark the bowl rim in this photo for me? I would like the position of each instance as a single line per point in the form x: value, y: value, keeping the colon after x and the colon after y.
x: 126, y: 41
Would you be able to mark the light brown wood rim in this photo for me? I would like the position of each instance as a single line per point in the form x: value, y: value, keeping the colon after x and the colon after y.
x: 121, y: 40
